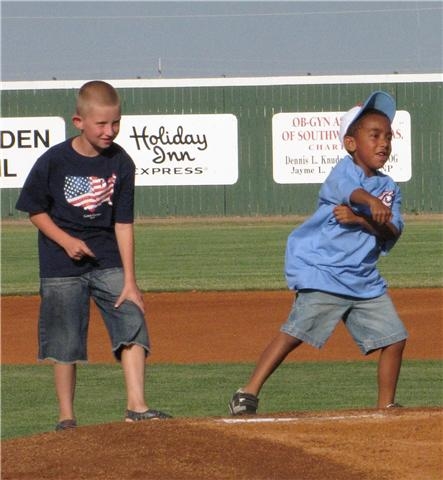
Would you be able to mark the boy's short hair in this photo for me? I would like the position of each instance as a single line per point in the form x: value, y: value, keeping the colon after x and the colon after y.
x: 382, y: 102
x: 96, y: 92
x: 354, y: 126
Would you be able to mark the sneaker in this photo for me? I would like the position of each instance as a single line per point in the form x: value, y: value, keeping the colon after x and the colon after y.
x: 243, y: 403
x: 65, y: 425
x: 394, y: 405
x: 149, y: 414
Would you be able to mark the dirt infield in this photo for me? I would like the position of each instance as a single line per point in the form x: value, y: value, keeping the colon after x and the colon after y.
x: 352, y: 445
x: 404, y: 444
x: 200, y: 327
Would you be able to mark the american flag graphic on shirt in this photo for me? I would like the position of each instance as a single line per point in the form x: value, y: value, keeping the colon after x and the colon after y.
x: 89, y: 192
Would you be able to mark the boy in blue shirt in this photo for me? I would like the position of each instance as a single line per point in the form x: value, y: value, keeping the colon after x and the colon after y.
x: 331, y: 259
x: 80, y: 196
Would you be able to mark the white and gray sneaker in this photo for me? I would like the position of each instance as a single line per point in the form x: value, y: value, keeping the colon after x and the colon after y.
x: 394, y: 405
x: 243, y: 403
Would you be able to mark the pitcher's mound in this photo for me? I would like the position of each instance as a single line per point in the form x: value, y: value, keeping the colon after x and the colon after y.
x: 404, y: 444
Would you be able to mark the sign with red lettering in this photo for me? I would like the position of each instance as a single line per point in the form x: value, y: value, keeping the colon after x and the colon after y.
x: 306, y: 146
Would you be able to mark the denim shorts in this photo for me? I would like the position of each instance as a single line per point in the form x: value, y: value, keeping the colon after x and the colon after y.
x: 64, y: 315
x: 373, y: 323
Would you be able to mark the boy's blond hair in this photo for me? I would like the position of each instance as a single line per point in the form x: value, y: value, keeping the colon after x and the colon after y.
x: 96, y: 92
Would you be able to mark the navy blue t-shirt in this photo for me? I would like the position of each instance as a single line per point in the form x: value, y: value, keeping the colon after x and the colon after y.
x: 84, y: 196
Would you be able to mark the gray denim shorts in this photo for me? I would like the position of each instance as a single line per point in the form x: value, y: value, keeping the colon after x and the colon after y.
x: 373, y: 323
x: 64, y: 315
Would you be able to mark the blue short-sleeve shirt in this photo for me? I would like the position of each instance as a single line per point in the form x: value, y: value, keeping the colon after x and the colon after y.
x: 324, y: 255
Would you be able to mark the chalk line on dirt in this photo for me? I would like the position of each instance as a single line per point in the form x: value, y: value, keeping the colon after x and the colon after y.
x: 328, y: 418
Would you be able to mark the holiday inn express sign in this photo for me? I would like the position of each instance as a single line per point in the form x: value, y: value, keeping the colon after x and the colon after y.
x: 182, y: 149
x: 202, y: 149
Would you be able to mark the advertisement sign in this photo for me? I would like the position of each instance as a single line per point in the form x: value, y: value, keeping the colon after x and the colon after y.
x: 22, y: 141
x: 203, y: 149
x: 182, y: 149
x: 167, y: 149
x: 306, y: 146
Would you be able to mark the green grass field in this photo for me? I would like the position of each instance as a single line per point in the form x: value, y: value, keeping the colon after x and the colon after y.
x: 223, y: 255
x: 29, y: 405
x: 215, y: 255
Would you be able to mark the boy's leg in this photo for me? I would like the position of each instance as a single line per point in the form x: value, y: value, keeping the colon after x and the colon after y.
x: 133, y: 363
x: 373, y: 323
x: 65, y: 376
x: 312, y: 319
x: 129, y: 336
x: 63, y: 327
x: 270, y: 359
x: 245, y: 400
x: 388, y: 372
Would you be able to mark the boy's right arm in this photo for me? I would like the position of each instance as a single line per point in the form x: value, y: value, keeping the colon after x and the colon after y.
x: 74, y: 247
x: 380, y: 221
x: 346, y: 216
x: 380, y: 213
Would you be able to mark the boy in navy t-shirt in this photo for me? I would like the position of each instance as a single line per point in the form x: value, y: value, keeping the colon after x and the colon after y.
x: 80, y: 196
x: 331, y: 259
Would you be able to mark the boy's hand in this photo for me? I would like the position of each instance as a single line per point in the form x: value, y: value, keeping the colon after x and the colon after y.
x: 77, y: 249
x: 380, y: 213
x: 74, y: 247
x: 133, y: 294
x: 345, y: 215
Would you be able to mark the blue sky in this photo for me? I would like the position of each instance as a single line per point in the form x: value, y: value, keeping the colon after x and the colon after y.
x: 71, y: 40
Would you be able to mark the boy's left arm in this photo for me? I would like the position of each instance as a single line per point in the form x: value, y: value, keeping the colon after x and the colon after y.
x: 385, y: 231
x: 124, y: 233
x: 384, y: 221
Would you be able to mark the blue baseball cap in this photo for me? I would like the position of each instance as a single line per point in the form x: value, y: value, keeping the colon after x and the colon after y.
x: 379, y: 100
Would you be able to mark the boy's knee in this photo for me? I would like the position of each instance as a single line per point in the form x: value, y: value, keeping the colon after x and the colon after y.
x: 400, y: 345
x: 397, y: 347
x: 289, y: 341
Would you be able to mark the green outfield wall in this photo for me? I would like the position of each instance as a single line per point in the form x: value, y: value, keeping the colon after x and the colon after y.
x: 249, y: 106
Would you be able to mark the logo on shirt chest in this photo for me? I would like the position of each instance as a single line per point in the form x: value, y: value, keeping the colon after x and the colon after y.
x: 89, y: 192
x: 387, y: 198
